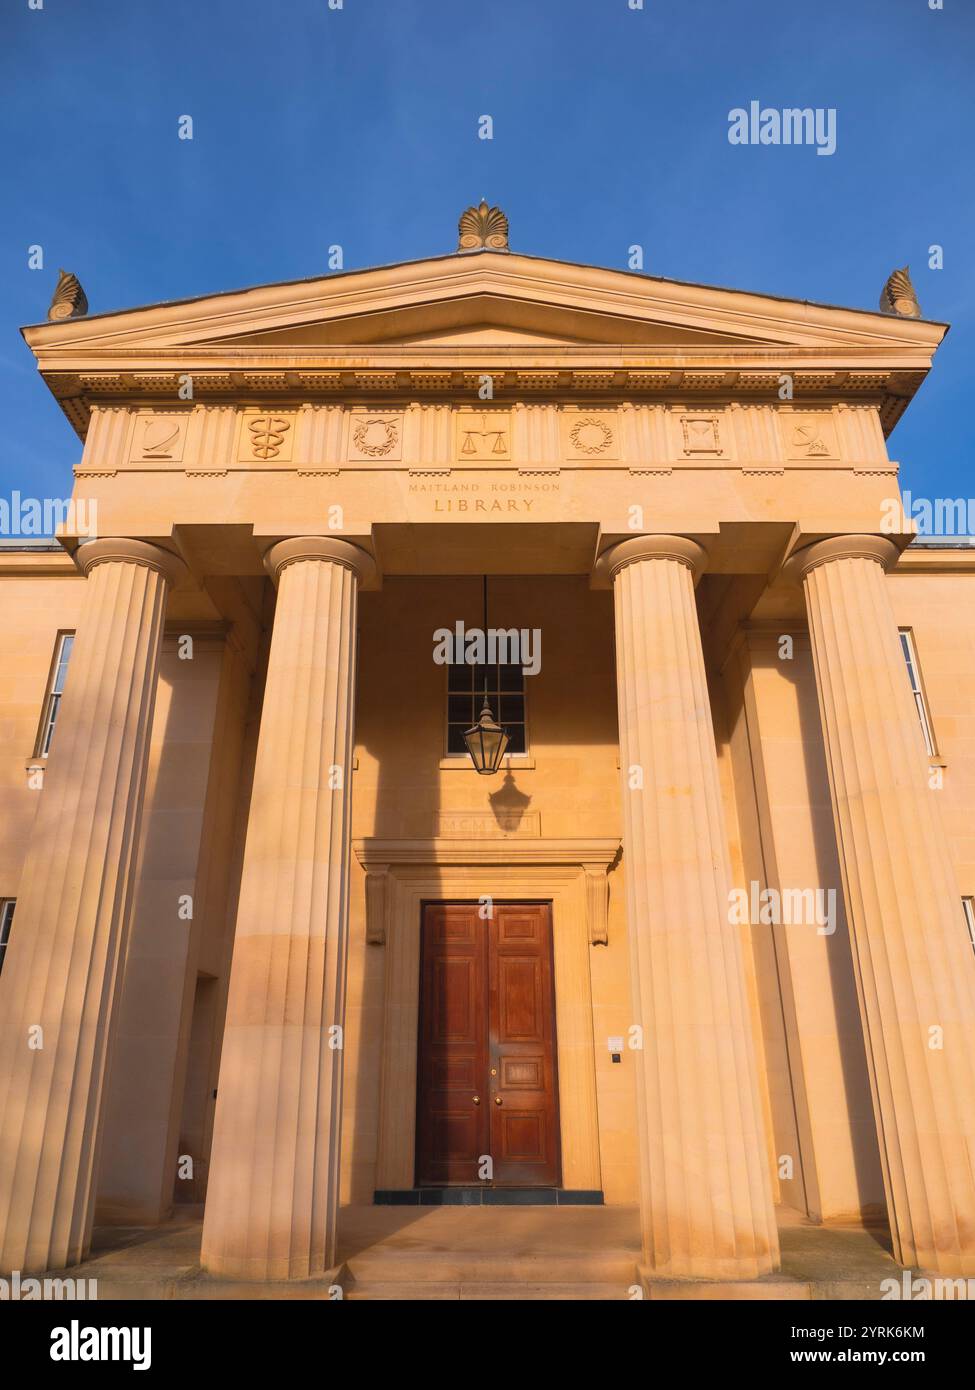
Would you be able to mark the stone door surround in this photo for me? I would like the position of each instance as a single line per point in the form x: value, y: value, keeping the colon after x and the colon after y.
x: 568, y: 873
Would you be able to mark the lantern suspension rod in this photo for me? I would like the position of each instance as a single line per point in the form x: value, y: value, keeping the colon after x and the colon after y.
x: 485, y: 640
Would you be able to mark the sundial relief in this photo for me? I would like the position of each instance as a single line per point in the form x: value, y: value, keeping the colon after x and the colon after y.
x: 813, y: 438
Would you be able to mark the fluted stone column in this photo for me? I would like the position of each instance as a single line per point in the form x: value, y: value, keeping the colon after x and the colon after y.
x: 273, y: 1185
x: 61, y: 979
x: 706, y: 1203
x: 912, y: 958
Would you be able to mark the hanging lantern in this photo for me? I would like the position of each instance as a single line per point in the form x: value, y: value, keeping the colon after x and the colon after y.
x: 486, y: 742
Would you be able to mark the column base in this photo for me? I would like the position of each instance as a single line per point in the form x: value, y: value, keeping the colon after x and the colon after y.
x: 261, y: 1271
x: 709, y: 1269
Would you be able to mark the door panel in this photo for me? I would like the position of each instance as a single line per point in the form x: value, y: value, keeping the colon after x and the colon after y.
x: 524, y: 1108
x: 486, y: 1075
x: 451, y: 1127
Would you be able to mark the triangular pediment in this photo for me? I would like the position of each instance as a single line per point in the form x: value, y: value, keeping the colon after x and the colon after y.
x: 489, y: 319
x: 477, y: 301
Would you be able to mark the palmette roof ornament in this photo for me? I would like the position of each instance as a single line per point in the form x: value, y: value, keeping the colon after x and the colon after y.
x: 482, y: 229
x: 899, y: 296
x: 70, y: 301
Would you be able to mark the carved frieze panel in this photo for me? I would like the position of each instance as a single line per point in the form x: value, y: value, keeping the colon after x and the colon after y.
x: 700, y: 435
x: 266, y: 438
x: 375, y: 436
x: 159, y: 437
x: 808, y: 435
x: 590, y: 436
x: 482, y: 436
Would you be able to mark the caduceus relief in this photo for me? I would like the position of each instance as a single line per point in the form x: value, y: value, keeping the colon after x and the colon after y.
x: 267, y: 435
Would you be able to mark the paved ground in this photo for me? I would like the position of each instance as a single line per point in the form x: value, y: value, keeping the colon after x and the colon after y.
x: 488, y: 1253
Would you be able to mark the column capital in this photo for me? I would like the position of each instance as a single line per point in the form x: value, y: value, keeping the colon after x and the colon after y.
x: 330, y: 548
x: 652, y: 547
x: 127, y: 550
x: 850, y: 547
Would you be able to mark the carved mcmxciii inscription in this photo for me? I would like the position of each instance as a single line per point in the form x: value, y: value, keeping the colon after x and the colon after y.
x: 475, y: 825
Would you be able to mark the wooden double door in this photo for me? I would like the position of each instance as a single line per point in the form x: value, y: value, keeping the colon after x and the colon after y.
x: 487, y: 1071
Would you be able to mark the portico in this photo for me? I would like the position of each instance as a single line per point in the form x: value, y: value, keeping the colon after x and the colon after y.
x: 659, y: 480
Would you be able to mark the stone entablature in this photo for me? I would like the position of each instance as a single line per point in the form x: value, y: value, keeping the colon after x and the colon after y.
x: 639, y: 437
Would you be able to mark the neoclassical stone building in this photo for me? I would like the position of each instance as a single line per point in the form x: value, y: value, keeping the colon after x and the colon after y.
x: 701, y: 944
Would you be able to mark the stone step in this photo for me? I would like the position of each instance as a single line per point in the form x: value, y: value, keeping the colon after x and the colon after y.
x: 385, y: 1265
x: 471, y: 1292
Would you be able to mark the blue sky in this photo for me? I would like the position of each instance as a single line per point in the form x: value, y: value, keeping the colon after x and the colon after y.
x: 358, y: 126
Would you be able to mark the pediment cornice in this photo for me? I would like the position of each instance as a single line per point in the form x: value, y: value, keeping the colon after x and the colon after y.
x: 620, y: 294
x: 598, y: 338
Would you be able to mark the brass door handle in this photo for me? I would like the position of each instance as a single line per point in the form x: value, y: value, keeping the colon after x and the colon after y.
x: 476, y: 1100
x: 497, y: 1100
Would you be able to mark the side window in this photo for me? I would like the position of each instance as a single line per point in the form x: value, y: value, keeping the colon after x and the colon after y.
x: 59, y: 670
x: 917, y: 690
x: 6, y: 917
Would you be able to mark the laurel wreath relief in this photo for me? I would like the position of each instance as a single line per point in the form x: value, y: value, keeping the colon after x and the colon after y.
x: 364, y: 437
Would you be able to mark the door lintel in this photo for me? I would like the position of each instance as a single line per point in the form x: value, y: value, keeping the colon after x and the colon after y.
x: 591, y: 858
